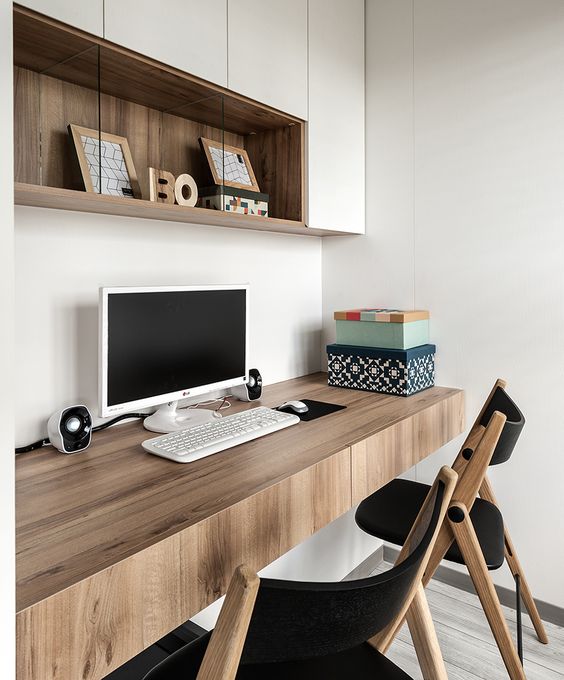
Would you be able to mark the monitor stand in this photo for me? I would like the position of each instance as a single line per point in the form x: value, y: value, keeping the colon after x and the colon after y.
x: 168, y: 418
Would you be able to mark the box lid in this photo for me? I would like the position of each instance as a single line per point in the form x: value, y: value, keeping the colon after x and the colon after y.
x: 382, y: 315
x: 221, y: 190
x: 377, y: 353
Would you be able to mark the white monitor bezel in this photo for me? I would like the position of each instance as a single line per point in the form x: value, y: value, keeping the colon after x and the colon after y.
x: 157, y: 400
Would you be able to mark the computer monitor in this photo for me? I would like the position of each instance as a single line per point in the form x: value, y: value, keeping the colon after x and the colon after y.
x: 160, y: 345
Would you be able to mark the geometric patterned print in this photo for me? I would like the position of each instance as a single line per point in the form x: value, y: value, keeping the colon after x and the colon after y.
x: 246, y: 206
x: 234, y: 165
x: 391, y: 376
x: 115, y: 178
x: 236, y: 204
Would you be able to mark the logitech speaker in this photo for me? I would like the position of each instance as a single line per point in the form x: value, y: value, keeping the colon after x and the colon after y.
x: 252, y: 389
x: 70, y: 430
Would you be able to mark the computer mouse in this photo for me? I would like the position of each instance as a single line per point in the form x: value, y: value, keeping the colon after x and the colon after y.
x: 295, y: 406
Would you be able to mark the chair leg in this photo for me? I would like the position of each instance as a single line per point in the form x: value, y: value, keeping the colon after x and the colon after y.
x: 424, y: 638
x: 519, y: 617
x: 467, y: 540
x: 486, y: 492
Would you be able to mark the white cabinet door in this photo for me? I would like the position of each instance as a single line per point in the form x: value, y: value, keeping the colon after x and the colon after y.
x: 188, y: 34
x: 89, y: 16
x: 267, y: 52
x: 336, y: 196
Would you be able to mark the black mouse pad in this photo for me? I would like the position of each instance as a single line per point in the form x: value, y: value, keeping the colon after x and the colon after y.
x: 317, y: 409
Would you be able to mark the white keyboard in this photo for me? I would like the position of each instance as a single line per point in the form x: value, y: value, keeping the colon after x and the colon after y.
x: 204, y: 440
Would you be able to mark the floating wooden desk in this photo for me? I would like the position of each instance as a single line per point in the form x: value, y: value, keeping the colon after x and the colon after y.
x: 116, y: 547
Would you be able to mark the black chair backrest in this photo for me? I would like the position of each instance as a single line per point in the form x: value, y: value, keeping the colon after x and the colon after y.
x: 503, y: 403
x: 298, y: 620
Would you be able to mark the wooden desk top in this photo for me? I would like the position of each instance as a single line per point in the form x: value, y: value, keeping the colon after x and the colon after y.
x: 77, y: 515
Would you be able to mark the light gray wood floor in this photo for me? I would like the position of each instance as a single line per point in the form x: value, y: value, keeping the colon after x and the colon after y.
x: 467, y: 644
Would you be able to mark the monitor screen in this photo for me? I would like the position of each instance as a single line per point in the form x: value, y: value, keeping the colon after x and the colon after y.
x: 171, y: 341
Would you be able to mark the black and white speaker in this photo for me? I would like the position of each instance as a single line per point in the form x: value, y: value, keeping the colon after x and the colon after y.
x: 70, y: 430
x: 252, y: 389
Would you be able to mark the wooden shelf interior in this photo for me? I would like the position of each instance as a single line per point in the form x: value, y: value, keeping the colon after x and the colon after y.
x: 62, y: 76
x: 82, y: 201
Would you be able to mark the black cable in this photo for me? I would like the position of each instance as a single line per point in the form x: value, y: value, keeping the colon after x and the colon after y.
x: 102, y: 426
x: 113, y: 421
x: 32, y: 447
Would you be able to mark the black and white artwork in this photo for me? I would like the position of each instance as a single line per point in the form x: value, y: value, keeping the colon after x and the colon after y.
x: 230, y: 166
x: 110, y: 176
x: 105, y: 162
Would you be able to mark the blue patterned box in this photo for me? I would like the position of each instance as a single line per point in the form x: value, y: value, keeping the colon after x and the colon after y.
x: 393, y: 371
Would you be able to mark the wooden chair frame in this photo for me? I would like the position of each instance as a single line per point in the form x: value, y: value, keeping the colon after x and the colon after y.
x: 223, y: 653
x: 486, y: 492
x: 225, y: 647
x: 416, y: 608
x: 473, y: 481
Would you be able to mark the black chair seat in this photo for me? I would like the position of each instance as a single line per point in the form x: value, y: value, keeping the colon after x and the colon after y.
x: 389, y: 514
x: 361, y: 663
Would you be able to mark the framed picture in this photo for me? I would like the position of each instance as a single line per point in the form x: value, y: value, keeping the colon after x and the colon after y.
x: 105, y: 162
x: 229, y: 165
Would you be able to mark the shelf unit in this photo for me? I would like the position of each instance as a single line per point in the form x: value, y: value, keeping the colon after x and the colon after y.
x: 82, y: 201
x: 63, y: 75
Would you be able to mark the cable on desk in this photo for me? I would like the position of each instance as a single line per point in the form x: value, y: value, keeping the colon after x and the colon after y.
x: 45, y: 442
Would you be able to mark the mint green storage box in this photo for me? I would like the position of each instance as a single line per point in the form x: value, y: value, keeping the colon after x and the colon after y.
x: 383, y: 334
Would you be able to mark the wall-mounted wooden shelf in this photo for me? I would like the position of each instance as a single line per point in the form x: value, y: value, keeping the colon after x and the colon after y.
x: 63, y: 75
x: 81, y: 201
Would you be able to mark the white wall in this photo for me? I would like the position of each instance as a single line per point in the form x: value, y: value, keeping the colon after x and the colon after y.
x: 62, y: 258
x: 465, y: 208
x: 56, y: 323
x: 7, y: 576
x: 378, y: 269
x: 489, y: 246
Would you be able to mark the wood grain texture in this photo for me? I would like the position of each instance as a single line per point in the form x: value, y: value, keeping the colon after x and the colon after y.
x: 26, y: 126
x: 477, y: 430
x: 142, y: 100
x: 62, y: 103
x: 116, y: 547
x: 278, y: 157
x: 133, y: 603
x: 181, y: 150
x: 378, y: 459
x: 45, y: 45
x: 156, y: 139
x: 424, y: 636
x: 448, y: 478
x: 223, y: 653
x: 142, y: 127
x: 470, y: 478
x: 81, y: 201
x: 467, y: 540
x: 486, y: 492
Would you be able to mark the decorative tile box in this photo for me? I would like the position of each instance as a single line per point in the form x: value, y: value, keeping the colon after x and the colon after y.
x: 383, y: 328
x: 234, y: 200
x: 394, y: 371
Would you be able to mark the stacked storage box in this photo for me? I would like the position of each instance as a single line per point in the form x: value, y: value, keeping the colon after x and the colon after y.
x: 382, y: 350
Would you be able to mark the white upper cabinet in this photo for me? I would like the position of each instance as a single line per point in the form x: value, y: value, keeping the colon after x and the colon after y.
x: 89, y: 16
x: 267, y: 53
x: 336, y: 174
x: 188, y: 34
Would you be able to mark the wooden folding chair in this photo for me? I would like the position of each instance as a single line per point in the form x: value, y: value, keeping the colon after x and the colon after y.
x: 482, y: 541
x: 321, y: 631
x: 512, y: 433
